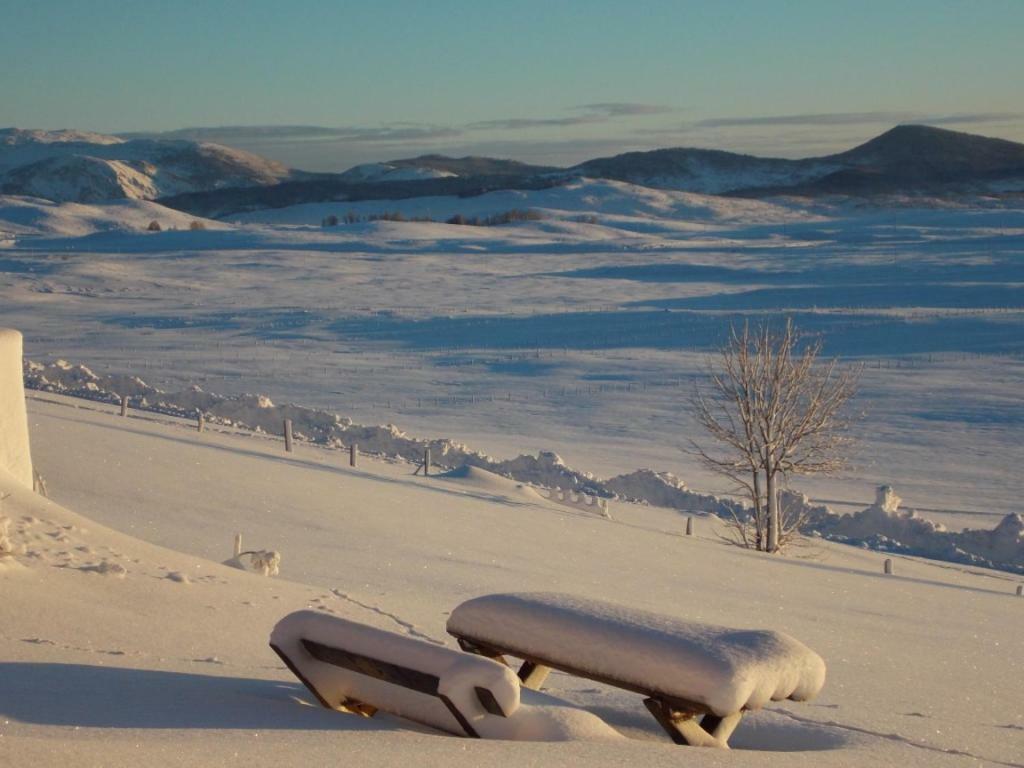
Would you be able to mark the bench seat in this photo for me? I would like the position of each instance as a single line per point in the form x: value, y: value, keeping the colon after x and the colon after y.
x: 685, y: 668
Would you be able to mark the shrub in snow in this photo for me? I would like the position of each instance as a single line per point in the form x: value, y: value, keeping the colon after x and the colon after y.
x: 264, y: 561
x: 196, y: 225
x: 7, y: 546
x: 154, y: 226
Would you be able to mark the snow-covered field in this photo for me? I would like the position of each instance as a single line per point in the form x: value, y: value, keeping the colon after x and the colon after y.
x: 124, y: 641
x: 563, y: 334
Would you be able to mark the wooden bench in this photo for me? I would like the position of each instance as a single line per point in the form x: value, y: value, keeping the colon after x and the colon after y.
x: 684, y: 670
x: 361, y: 669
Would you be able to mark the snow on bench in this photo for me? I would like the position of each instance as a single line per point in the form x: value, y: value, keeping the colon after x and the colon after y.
x: 361, y: 669
x: 684, y: 668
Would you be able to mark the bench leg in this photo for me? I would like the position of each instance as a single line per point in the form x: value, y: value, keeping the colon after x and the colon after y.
x: 721, y: 727
x: 682, y: 727
x: 480, y: 650
x: 532, y: 675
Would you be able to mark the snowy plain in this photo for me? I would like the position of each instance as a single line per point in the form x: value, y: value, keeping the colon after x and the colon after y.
x: 581, y: 333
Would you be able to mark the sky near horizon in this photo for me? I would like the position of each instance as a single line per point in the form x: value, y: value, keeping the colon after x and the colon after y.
x: 323, y: 84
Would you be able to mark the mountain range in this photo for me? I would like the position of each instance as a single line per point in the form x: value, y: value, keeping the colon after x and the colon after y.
x: 215, y: 180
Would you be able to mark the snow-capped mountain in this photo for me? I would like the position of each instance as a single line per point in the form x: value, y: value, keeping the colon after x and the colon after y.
x: 89, y: 167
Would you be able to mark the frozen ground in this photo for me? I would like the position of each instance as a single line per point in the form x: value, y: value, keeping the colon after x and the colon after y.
x: 124, y: 643
x: 578, y: 337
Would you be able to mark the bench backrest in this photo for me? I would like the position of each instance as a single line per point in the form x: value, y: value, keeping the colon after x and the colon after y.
x: 341, y: 660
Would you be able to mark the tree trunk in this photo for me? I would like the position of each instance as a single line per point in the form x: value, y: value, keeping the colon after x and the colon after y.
x: 773, y: 511
x: 759, y: 543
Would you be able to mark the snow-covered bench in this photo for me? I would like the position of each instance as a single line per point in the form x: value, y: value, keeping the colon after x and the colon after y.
x: 362, y: 669
x: 683, y: 669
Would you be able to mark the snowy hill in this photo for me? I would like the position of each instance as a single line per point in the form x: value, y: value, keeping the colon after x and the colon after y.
x: 703, y: 170
x: 87, y: 167
x: 908, y: 158
x: 33, y: 216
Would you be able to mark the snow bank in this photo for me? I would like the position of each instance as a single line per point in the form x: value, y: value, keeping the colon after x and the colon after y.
x: 885, y: 526
x: 725, y: 669
x: 458, y: 674
x: 15, y: 457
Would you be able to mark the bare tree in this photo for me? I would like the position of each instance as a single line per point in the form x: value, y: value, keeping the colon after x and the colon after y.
x: 774, y: 411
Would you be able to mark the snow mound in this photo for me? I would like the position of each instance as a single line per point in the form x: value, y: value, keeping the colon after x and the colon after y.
x: 725, y: 669
x: 885, y: 526
x: 480, y: 479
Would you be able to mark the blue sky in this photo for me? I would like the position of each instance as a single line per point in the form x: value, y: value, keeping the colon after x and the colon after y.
x: 323, y: 85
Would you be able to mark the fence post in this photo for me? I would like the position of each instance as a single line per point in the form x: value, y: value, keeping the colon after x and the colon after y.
x: 353, y: 451
x: 200, y: 421
x: 238, y: 544
x: 1020, y: 590
x: 124, y: 405
x: 689, y: 526
x: 888, y: 567
x: 426, y: 461
x: 288, y: 435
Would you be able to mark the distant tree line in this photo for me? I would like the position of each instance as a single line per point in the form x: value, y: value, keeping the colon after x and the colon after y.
x: 497, y: 219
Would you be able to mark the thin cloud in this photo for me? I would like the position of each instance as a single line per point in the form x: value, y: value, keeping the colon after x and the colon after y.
x: 821, y: 118
x: 857, y: 118
x: 624, y: 109
x: 519, y: 123
x: 601, y: 112
x: 275, y: 134
x: 974, y: 117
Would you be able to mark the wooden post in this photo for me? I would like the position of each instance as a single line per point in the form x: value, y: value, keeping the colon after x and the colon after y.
x: 353, y: 451
x: 238, y: 544
x: 200, y: 421
x: 1020, y: 589
x: 689, y: 526
x: 426, y: 461
x: 888, y: 566
x: 124, y: 405
x: 288, y: 435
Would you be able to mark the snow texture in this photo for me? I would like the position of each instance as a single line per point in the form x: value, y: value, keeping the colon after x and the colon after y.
x: 15, y: 456
x: 459, y: 675
x: 726, y: 669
